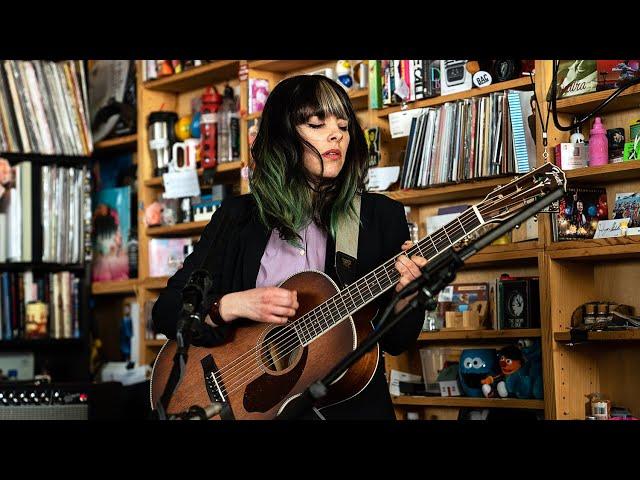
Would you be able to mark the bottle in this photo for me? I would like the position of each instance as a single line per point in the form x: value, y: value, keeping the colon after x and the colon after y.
x: 132, y: 253
x: 224, y: 131
x: 576, y: 135
x: 598, y: 145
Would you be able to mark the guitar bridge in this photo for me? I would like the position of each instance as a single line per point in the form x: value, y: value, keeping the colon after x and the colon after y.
x: 215, y: 387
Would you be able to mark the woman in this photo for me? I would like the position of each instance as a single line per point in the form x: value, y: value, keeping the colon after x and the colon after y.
x: 310, y: 159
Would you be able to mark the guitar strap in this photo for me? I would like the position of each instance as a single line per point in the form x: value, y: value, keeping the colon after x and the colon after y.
x: 346, y: 259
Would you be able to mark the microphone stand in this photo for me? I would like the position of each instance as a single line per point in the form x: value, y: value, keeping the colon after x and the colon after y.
x: 191, y: 318
x: 436, y: 275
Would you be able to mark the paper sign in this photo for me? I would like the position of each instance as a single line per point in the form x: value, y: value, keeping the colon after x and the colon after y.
x: 396, y: 377
x: 181, y: 184
x: 612, y: 228
x: 400, y: 122
x: 380, y: 178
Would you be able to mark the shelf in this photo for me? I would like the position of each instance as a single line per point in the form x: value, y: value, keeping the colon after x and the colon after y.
x: 605, y: 173
x: 115, y: 287
x: 127, y: 142
x: 253, y: 116
x: 359, y: 99
x: 479, y: 334
x: 443, y: 193
x: 49, y: 267
x: 75, y: 160
x: 225, y: 168
x: 596, y: 249
x: 468, y: 402
x: 517, y: 84
x: 155, y: 283
x: 154, y: 343
x: 43, y: 342
x: 628, y: 99
x: 493, y: 254
x: 190, y: 228
x: 606, y: 336
x: 198, y: 77
x: 283, y: 66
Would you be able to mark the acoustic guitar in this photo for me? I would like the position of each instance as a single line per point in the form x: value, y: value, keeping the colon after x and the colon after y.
x: 264, y: 366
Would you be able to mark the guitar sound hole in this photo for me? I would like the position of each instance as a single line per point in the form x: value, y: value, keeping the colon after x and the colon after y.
x: 280, y: 349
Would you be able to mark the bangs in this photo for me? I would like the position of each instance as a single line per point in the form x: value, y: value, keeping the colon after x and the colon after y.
x: 321, y: 101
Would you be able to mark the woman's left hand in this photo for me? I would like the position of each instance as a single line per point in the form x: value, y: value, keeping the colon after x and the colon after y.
x: 409, y: 269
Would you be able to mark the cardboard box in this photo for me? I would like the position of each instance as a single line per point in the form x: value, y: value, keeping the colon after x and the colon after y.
x: 569, y: 156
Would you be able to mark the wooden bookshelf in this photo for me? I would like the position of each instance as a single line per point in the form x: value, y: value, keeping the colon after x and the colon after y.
x: 448, y: 335
x: 595, y: 249
x: 492, y: 254
x: 120, y: 143
x: 190, y: 228
x: 629, y: 99
x: 197, y: 77
x: 115, y: 287
x: 443, y: 193
x: 523, y: 83
x: 613, y: 172
x: 605, y: 336
x: 283, y: 66
x: 468, y: 402
x: 223, y: 170
x: 253, y: 116
x: 359, y: 98
x: 155, y: 283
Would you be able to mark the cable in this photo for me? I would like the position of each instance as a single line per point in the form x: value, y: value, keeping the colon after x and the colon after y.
x: 604, y: 103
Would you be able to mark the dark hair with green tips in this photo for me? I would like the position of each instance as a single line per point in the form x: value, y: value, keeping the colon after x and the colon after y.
x: 281, y: 185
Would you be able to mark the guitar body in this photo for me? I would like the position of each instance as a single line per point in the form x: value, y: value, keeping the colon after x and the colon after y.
x: 260, y: 370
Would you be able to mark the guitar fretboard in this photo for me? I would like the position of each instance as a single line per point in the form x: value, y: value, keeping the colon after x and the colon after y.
x: 355, y: 296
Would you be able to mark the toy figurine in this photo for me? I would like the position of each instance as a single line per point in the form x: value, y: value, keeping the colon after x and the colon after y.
x: 183, y: 128
x: 510, y: 360
x: 153, y: 214
x: 345, y: 77
x: 475, y: 365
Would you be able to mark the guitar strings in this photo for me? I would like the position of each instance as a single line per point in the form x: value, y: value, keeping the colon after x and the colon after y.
x: 303, y: 321
x: 317, y: 314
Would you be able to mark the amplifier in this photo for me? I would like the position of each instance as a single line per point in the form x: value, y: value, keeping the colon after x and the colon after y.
x: 30, y: 401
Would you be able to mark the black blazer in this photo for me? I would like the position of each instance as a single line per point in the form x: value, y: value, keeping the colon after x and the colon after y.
x: 232, y: 246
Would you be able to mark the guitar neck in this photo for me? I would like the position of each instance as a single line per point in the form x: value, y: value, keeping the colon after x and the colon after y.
x: 366, y: 289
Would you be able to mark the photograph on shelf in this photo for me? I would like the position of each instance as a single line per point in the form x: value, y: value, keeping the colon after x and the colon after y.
x: 580, y: 210
x: 111, y: 226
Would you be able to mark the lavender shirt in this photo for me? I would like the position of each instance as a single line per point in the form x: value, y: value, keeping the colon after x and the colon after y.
x: 281, y: 260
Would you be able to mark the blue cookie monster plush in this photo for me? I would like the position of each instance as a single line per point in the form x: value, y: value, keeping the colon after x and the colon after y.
x: 475, y: 365
x: 527, y: 381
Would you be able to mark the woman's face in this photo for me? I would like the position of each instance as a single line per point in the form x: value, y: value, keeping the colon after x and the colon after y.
x: 331, y: 138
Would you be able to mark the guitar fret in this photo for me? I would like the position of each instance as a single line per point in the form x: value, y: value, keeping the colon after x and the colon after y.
x: 461, y: 225
x: 434, y: 243
x: 295, y: 329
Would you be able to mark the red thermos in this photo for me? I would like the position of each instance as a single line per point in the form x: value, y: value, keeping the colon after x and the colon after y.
x: 211, y: 101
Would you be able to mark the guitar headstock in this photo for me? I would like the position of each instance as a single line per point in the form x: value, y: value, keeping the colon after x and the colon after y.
x: 504, y: 201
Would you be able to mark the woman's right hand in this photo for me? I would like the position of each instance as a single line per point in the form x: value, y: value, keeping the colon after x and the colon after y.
x: 264, y: 304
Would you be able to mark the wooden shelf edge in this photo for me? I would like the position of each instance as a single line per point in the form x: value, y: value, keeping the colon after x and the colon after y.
x: 518, y: 83
x: 190, y: 228
x: 587, y: 101
x: 469, y: 402
x: 223, y: 168
x: 621, y: 247
x: 605, y: 336
x: 115, y: 287
x: 605, y: 173
x: 196, y: 77
x: 154, y: 283
x: 439, y: 193
x: 119, y: 142
x: 479, y: 334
